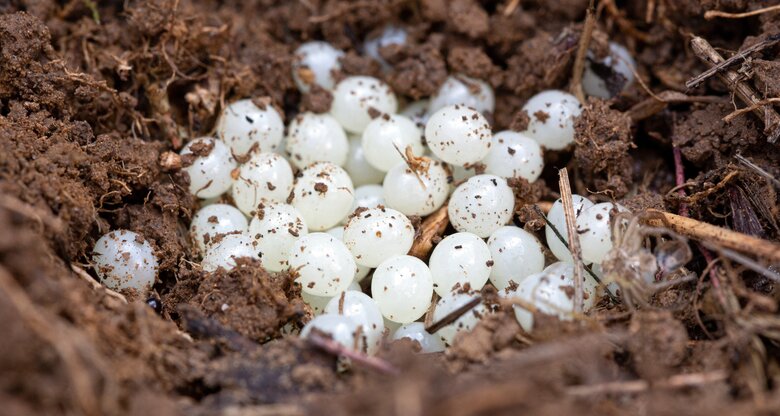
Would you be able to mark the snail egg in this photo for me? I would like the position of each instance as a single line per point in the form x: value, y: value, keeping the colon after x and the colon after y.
x: 214, y: 220
x: 514, y: 155
x: 266, y: 177
x: 516, y: 254
x: 386, y: 137
x: 275, y: 227
x: 314, y: 63
x: 245, y: 127
x: 318, y: 303
x: 363, y: 310
x: 361, y: 172
x: 415, y: 331
x: 211, y: 167
x: 481, y: 205
x: 404, y: 191
x: 323, y: 194
x: 125, y: 260
x: 376, y: 234
x: 552, y: 115
x: 224, y: 251
x: 619, y: 62
x: 458, y: 260
x: 594, y: 228
x: 324, y: 265
x: 464, y: 91
x: 402, y: 288
x: 316, y: 138
x: 339, y: 328
x: 361, y: 271
x: 557, y: 218
x: 355, y: 97
x: 465, y: 323
x: 458, y: 135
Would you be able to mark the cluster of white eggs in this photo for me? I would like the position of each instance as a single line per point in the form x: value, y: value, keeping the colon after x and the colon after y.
x: 331, y: 202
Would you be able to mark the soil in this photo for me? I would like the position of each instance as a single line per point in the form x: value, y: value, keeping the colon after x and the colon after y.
x: 94, y: 94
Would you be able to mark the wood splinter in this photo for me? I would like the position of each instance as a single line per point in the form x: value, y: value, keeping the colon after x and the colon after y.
x: 733, y: 81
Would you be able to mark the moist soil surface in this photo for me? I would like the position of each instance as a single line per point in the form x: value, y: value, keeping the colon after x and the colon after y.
x: 92, y: 95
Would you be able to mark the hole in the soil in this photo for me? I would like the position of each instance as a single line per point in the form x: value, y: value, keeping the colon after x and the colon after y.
x: 4, y: 109
x: 197, y: 389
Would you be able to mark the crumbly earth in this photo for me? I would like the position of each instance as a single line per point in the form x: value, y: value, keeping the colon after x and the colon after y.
x: 92, y: 95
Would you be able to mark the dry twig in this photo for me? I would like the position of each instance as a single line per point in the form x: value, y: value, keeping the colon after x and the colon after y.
x: 454, y: 315
x: 582, y: 51
x: 712, y: 14
x: 433, y: 226
x: 574, y: 237
x: 332, y: 347
x: 638, y: 386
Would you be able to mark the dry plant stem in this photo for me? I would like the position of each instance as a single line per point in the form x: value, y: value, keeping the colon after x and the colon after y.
x: 652, y: 105
x: 96, y: 286
x: 582, y: 51
x: 745, y: 261
x: 433, y: 226
x: 511, y: 6
x: 738, y: 58
x: 332, y: 347
x: 743, y: 160
x: 702, y: 231
x: 712, y: 14
x: 454, y: 315
x: 638, y: 386
x: 753, y: 107
x: 574, y: 237
x: 733, y: 81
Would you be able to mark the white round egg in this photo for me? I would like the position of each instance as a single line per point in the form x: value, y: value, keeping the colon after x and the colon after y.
x: 464, y: 91
x: 619, y: 61
x: 223, y: 252
x: 361, y: 271
x: 376, y: 234
x: 210, y: 169
x: 516, y: 254
x: 314, y: 63
x: 339, y: 328
x: 458, y: 135
x: 245, y: 127
x: 368, y: 196
x: 481, y: 205
x: 355, y: 97
x: 557, y: 218
x: 387, y: 137
x: 465, y: 323
x: 214, y: 220
x: 364, y: 311
x: 402, y: 288
x: 514, y: 155
x: 415, y: 331
x: 416, y: 194
x: 125, y: 260
x: 323, y: 263
x: 275, y: 227
x: 316, y: 138
x: 323, y: 194
x: 458, y: 260
x: 390, y: 35
x: 318, y: 303
x: 361, y: 172
x: 266, y: 177
x: 595, y: 230
x: 417, y: 111
x: 552, y: 115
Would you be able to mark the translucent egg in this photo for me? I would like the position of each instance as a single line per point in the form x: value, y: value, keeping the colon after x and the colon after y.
x: 316, y: 138
x: 391, y: 35
x: 417, y: 112
x: 551, y: 292
x: 245, y: 127
x: 363, y: 310
x: 340, y: 328
x: 210, y: 169
x: 458, y: 135
x: 552, y: 115
x: 318, y: 303
x: 516, y: 254
x: 388, y: 135
x: 594, y: 228
x: 214, y: 220
x: 402, y: 288
x: 368, y: 196
x: 314, y: 63
x: 361, y: 271
x: 481, y: 205
x: 324, y: 265
x: 361, y: 172
x: 514, y: 155
x: 266, y: 177
x: 275, y: 227
x: 458, y: 260
x: 323, y: 195
x: 448, y: 304
x: 224, y: 251
x: 390, y: 326
x: 377, y: 234
x: 354, y: 97
x: 464, y: 91
x: 619, y: 60
x: 558, y: 219
x: 125, y: 260
x: 415, y: 331
x: 404, y: 192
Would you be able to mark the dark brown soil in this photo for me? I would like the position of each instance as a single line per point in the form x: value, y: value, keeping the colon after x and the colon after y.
x: 93, y: 93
